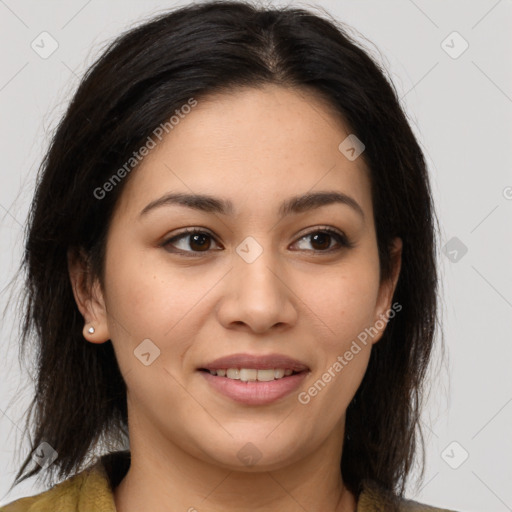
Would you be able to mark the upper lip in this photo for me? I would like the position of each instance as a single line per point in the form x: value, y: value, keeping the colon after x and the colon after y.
x: 258, y: 362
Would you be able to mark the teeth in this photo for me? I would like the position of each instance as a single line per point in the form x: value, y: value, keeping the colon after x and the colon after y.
x: 233, y: 373
x: 266, y: 375
x: 251, y: 374
x: 248, y: 375
x: 278, y: 373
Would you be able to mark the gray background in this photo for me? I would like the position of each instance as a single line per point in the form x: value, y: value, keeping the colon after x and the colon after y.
x: 460, y: 107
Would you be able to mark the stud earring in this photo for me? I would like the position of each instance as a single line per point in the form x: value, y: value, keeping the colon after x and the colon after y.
x: 91, y: 330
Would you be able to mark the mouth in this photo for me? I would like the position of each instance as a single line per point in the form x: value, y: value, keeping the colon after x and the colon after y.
x: 254, y: 380
x: 252, y: 374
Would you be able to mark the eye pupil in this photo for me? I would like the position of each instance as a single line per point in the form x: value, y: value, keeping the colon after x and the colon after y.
x: 322, y: 237
x: 202, y: 238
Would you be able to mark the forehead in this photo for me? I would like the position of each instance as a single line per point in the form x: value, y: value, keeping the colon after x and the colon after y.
x: 253, y: 143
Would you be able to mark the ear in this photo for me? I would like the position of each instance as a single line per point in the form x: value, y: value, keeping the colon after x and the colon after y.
x: 386, y: 290
x: 88, y: 296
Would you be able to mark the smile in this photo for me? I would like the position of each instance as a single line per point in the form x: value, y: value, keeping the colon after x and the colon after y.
x: 252, y: 374
x: 254, y: 379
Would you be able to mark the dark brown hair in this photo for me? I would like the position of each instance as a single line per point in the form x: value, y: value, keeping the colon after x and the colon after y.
x: 137, y: 84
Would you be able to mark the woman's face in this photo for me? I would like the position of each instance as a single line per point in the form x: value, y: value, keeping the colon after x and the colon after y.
x: 262, y: 283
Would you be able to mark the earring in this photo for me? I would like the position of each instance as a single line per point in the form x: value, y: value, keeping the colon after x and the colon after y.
x: 91, y: 330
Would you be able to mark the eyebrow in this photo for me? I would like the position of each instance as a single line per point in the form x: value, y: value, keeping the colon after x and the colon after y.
x: 293, y: 205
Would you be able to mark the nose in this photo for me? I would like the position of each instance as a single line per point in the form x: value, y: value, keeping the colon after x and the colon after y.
x: 258, y: 296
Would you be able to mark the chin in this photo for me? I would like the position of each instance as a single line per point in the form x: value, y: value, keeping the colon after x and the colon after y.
x: 254, y: 453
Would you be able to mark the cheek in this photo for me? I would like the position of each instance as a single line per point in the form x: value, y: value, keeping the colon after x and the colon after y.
x: 146, y: 300
x: 344, y: 302
x: 344, y: 299
x: 346, y: 308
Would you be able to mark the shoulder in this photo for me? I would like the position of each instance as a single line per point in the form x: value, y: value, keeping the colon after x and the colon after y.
x: 89, y: 486
x: 374, y: 498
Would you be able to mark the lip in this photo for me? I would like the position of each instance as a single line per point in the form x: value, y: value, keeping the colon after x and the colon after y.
x: 255, y: 393
x: 258, y: 362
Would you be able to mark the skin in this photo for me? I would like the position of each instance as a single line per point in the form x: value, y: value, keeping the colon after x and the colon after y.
x: 305, y: 299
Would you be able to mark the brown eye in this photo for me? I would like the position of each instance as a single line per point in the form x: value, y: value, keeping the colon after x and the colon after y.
x: 199, y: 241
x: 321, y: 240
x: 190, y: 241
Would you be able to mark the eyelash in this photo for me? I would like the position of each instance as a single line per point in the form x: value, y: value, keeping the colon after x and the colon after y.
x: 341, y: 238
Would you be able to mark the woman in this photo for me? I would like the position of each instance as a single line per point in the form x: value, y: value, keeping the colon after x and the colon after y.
x: 231, y: 266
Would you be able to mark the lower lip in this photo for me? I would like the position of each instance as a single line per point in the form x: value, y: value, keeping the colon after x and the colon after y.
x: 255, y: 392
